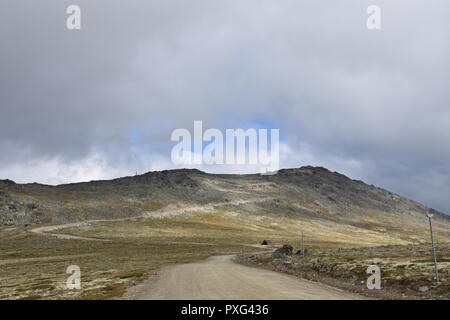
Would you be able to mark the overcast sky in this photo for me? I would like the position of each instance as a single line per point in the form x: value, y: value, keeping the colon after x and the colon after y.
x: 101, y: 102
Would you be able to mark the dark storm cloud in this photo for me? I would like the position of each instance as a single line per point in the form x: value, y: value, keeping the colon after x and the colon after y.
x: 102, y: 101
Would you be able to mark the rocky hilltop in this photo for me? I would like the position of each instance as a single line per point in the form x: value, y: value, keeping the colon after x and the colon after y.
x: 313, y: 193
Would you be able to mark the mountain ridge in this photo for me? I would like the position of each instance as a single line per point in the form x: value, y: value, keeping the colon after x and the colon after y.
x: 305, y: 190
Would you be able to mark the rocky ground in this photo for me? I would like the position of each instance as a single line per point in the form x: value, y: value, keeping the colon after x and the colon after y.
x: 407, y: 272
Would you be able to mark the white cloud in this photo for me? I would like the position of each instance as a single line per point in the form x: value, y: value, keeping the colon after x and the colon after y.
x: 371, y: 104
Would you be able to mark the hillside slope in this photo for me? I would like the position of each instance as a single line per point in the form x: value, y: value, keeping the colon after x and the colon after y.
x: 311, y: 194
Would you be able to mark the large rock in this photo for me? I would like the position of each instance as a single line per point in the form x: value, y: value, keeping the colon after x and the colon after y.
x: 424, y: 289
x: 283, y: 252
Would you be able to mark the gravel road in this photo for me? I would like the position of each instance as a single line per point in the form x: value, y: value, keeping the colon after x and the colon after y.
x: 221, y: 278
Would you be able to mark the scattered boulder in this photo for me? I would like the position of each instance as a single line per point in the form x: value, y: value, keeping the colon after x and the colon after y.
x: 283, y: 252
x: 32, y: 206
x: 266, y: 243
x: 8, y: 222
x: 424, y: 289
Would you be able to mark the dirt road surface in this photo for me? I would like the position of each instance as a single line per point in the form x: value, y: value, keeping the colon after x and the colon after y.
x: 221, y: 278
x: 47, y: 229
